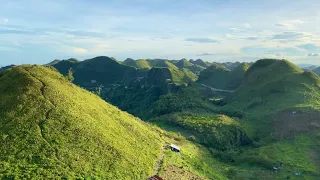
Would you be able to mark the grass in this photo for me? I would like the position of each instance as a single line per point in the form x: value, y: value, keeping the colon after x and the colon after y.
x: 215, y: 131
x: 193, y: 161
x: 220, y: 77
x: 269, y: 90
x: 95, y: 69
x: 161, y: 63
x: 96, y: 134
x: 51, y: 128
x: 139, y: 64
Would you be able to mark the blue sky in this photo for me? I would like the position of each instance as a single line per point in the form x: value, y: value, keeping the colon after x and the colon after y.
x: 39, y: 31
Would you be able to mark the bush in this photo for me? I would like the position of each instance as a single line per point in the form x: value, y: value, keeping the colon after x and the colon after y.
x: 257, y: 160
x: 192, y: 138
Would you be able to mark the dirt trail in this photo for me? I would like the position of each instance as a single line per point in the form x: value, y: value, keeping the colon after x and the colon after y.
x: 159, y: 163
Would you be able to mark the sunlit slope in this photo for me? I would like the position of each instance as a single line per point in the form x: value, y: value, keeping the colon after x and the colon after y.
x: 277, y: 84
x: 50, y: 128
x: 273, y: 89
x: 139, y: 64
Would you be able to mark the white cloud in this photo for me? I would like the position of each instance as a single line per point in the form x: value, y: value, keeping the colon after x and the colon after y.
x: 313, y: 54
x: 4, y: 20
x: 290, y: 24
x: 235, y: 29
x: 79, y: 50
x: 247, y: 25
x: 292, y: 36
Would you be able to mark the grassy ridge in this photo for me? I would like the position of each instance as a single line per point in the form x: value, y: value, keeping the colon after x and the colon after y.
x: 139, y: 64
x: 271, y: 86
x: 220, y: 77
x: 51, y: 128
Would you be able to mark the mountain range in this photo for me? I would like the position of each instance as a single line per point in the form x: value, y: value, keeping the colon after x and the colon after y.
x: 70, y: 119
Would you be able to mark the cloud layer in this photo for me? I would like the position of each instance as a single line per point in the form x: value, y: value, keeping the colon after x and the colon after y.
x: 216, y: 30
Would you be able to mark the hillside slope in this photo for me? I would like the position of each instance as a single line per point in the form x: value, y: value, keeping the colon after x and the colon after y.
x: 273, y: 86
x: 220, y: 77
x: 139, y: 64
x: 98, y: 71
x: 317, y: 71
x: 141, y: 94
x: 195, y: 68
x: 6, y: 67
x: 51, y: 128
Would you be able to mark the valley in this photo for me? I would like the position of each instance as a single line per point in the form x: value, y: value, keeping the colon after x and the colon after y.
x: 237, y: 123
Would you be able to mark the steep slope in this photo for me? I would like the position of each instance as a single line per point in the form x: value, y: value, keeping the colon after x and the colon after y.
x: 230, y: 65
x: 161, y: 63
x: 63, y: 65
x: 183, y: 63
x: 236, y: 76
x: 272, y: 86
x: 51, y: 128
x: 215, y: 76
x: 280, y: 105
x: 158, y: 76
x: 139, y: 64
x: 138, y: 96
x: 97, y: 71
x: 317, y: 71
x: 200, y: 62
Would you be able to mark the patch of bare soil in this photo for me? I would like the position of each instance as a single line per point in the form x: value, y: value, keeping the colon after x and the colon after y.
x: 172, y: 172
x: 289, y: 123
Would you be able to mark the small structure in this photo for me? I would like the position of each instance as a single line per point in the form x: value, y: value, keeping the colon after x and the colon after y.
x: 275, y: 169
x: 298, y: 174
x: 155, y: 178
x: 174, y: 148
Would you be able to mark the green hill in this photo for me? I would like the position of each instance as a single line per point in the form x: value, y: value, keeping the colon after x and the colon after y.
x: 277, y: 106
x: 317, y: 71
x: 279, y: 103
x: 183, y: 63
x: 200, y: 62
x: 161, y: 63
x: 139, y: 64
x: 51, y: 128
x: 139, y: 95
x: 97, y: 71
x: 63, y: 65
x: 220, y: 77
x: 272, y: 87
x: 215, y: 76
x: 236, y: 76
x: 160, y: 76
x: 6, y: 67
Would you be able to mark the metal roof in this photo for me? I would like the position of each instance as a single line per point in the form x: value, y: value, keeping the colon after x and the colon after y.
x: 175, y: 146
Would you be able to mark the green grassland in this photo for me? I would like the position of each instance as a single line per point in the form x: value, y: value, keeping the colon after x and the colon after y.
x: 139, y: 64
x: 218, y: 76
x: 51, y: 128
x: 276, y: 106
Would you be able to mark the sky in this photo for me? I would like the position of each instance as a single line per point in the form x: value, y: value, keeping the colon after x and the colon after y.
x: 39, y: 31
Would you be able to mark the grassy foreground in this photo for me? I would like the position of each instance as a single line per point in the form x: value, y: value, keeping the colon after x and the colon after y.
x: 51, y: 128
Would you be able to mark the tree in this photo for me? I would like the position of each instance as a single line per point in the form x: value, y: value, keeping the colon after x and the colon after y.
x: 70, y: 75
